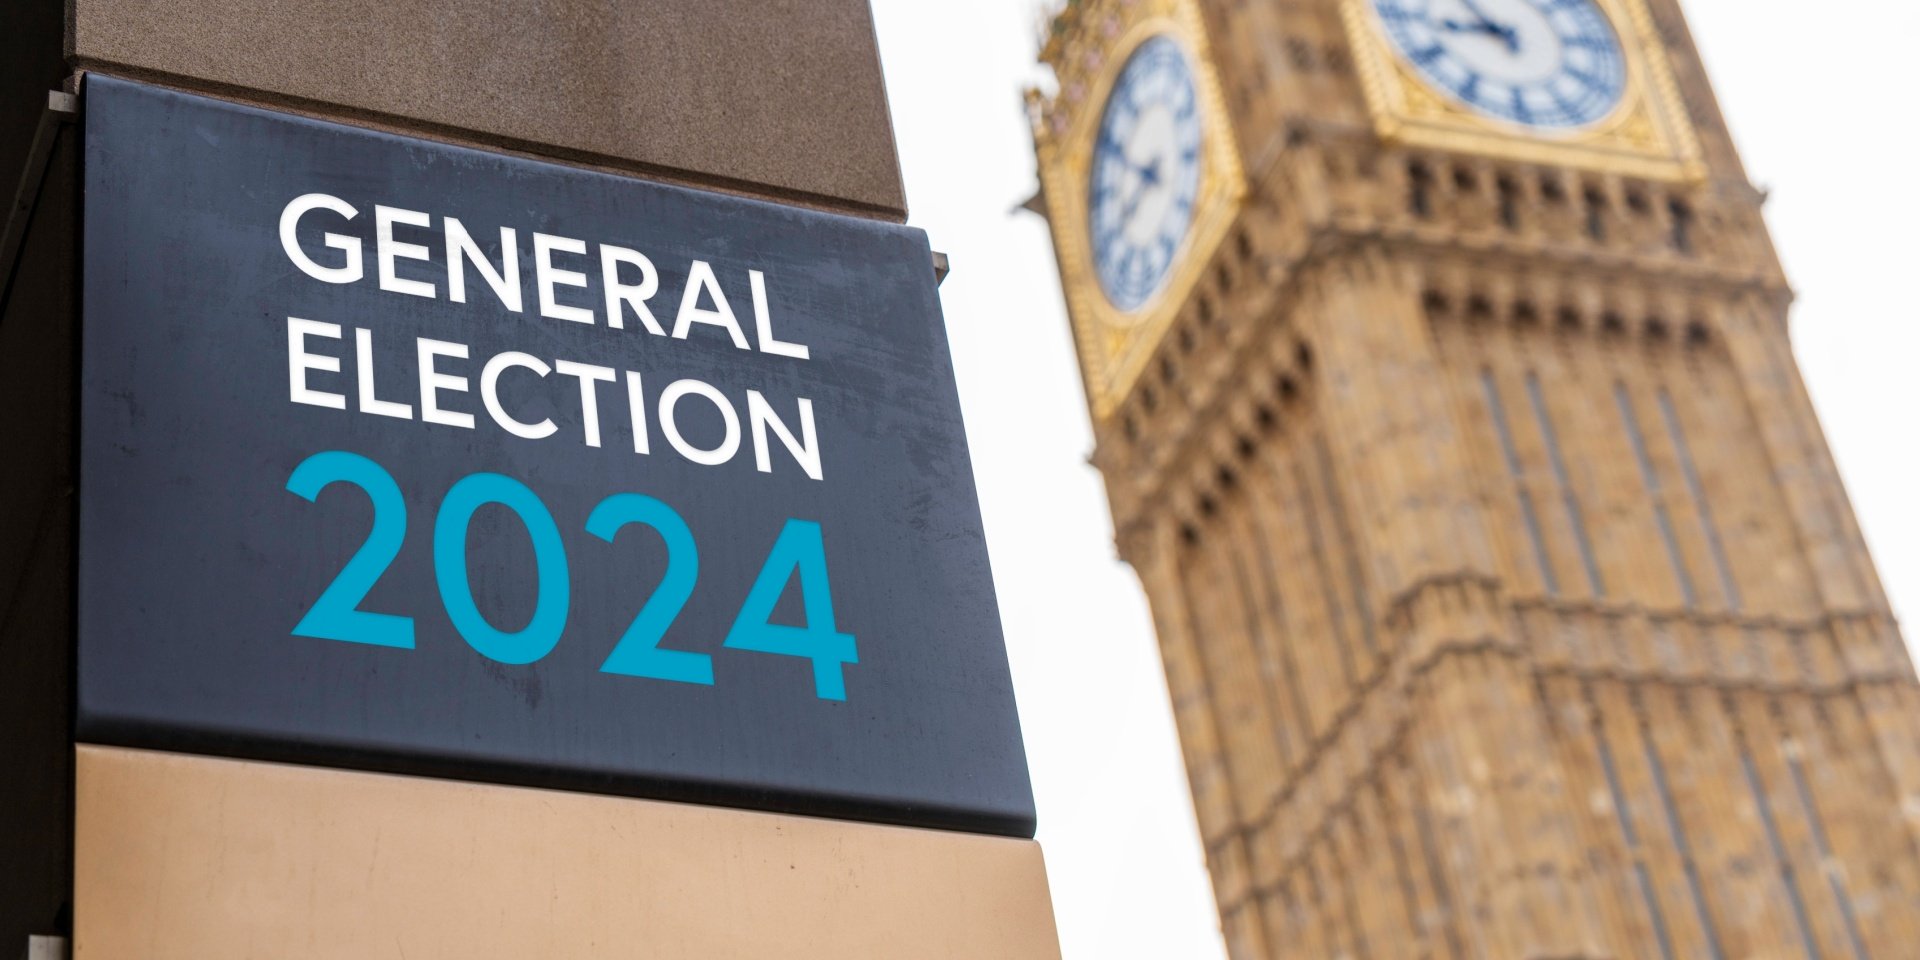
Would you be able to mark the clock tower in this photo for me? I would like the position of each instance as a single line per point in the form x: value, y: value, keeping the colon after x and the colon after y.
x: 1510, y: 603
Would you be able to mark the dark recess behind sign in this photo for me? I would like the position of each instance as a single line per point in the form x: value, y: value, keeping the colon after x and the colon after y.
x: 37, y: 329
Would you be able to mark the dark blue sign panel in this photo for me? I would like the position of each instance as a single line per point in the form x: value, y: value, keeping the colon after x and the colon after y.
x: 408, y: 457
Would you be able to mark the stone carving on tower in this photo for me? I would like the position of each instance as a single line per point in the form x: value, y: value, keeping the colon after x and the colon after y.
x: 1510, y: 602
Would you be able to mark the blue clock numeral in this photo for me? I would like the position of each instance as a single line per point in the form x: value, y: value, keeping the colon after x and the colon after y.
x: 336, y: 614
x: 799, y: 551
x: 638, y: 653
x: 1519, y: 106
x: 538, y: 637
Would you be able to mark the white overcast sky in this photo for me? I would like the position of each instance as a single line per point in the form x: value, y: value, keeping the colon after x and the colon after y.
x: 1819, y: 97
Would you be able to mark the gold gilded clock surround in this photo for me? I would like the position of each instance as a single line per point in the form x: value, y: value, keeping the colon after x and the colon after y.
x: 1647, y: 134
x: 1114, y: 344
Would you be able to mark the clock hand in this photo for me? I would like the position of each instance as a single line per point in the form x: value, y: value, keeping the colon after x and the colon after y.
x: 1492, y: 26
x: 1149, y: 173
x: 1149, y: 178
x: 1506, y: 34
x: 1456, y: 26
x: 1478, y: 14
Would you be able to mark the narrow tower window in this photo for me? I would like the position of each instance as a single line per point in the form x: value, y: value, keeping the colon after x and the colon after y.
x: 1834, y: 879
x: 1596, y: 213
x: 1759, y: 791
x: 1509, y: 193
x: 1527, y: 513
x: 1568, y: 498
x: 1277, y: 609
x: 1651, y: 478
x: 1623, y: 814
x: 1265, y: 648
x: 1680, y: 229
x: 1311, y: 507
x: 1678, y: 832
x: 1728, y: 587
x: 1419, y: 190
x: 1349, y: 544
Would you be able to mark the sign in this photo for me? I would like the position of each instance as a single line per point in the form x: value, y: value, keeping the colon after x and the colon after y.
x: 403, y: 456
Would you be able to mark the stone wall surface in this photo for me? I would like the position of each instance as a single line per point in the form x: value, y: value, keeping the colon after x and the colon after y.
x: 782, y: 98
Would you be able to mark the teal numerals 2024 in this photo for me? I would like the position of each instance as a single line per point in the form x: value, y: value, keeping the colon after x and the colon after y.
x: 798, y: 551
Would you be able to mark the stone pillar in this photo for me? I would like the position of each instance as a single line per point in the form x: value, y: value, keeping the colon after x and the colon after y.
x: 1210, y: 772
x: 1478, y: 737
x: 175, y: 855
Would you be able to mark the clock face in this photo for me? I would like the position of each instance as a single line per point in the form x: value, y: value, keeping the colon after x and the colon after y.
x: 1145, y: 173
x: 1547, y: 64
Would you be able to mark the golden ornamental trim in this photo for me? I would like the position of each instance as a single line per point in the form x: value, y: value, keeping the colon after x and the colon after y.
x: 1647, y: 135
x: 1114, y: 346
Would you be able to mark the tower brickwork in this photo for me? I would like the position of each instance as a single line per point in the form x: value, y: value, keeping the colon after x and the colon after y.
x: 1510, y: 602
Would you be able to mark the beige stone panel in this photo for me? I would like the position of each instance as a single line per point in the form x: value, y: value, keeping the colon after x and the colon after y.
x: 1560, y: 894
x: 1576, y: 405
x: 1265, y: 539
x: 1468, y: 823
x: 1399, y: 442
x: 1193, y: 707
x: 1625, y: 921
x: 1626, y: 534
x: 1682, y: 559
x: 1752, y: 714
x: 1313, y: 639
x: 1326, y: 934
x: 204, y: 859
x: 1800, y: 465
x: 1620, y: 726
x: 1268, y: 905
x: 1470, y: 351
x: 1227, y: 657
x: 1874, y: 857
x: 780, y: 97
x: 1379, y: 907
x: 1647, y: 375
x: 1725, y: 823
x: 1242, y: 541
x: 1246, y: 938
x: 1350, y: 550
x: 1754, y: 518
x: 1429, y: 910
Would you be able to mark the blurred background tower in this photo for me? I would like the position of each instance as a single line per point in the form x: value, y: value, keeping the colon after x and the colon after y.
x: 1510, y: 601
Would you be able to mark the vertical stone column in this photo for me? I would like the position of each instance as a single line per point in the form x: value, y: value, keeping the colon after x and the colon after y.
x: 1797, y: 453
x: 1478, y: 735
x: 1286, y: 514
x: 1848, y: 793
x: 1395, y: 438
x: 1849, y: 590
x: 1155, y: 554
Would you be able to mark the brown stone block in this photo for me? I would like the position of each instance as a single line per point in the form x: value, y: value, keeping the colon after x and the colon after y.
x: 204, y: 859
x: 778, y: 97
